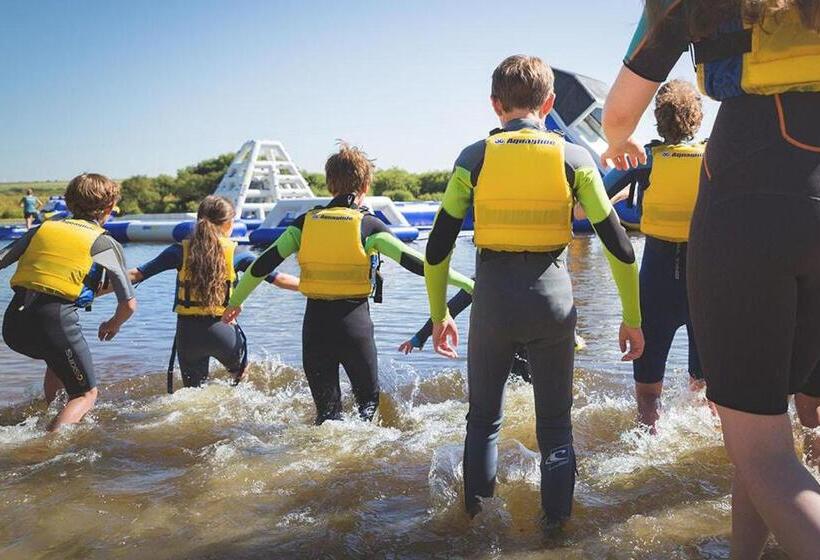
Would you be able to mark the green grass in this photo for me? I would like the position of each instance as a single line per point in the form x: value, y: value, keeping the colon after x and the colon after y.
x: 11, y: 193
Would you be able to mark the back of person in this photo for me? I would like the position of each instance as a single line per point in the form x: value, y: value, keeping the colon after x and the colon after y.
x: 667, y: 195
x: 60, y: 270
x: 523, y: 181
x: 754, y: 249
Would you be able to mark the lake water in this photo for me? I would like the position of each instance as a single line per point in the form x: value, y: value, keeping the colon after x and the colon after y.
x: 224, y: 472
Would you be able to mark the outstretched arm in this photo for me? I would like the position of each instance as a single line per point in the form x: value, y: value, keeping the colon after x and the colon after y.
x: 391, y: 247
x: 456, y: 305
x: 279, y: 279
x: 265, y: 264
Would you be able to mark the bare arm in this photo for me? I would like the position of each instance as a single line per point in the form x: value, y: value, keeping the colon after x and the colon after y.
x: 286, y: 281
x: 628, y: 99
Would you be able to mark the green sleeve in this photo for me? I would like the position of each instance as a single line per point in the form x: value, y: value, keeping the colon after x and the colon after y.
x: 456, y: 203
x: 390, y: 246
x: 287, y: 244
x: 590, y: 192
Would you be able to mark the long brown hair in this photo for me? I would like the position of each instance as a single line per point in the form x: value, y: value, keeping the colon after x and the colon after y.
x: 703, y: 17
x: 206, y: 259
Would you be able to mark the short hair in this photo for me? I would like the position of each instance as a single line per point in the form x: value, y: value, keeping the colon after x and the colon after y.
x: 348, y: 171
x: 90, y: 194
x: 679, y: 111
x: 29, y: 191
x: 522, y: 82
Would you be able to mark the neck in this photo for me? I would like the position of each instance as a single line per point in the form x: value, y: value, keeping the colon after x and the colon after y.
x: 508, y: 116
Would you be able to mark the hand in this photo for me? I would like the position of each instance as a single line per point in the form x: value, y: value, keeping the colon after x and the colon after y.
x: 445, y: 338
x: 406, y: 347
x: 622, y: 157
x: 230, y: 314
x: 108, y: 329
x: 633, y: 336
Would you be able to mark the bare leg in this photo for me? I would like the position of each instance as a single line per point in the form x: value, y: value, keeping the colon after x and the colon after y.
x: 808, y: 410
x: 51, y: 385
x: 74, y: 410
x: 648, y: 396
x: 29, y: 221
x: 749, y: 531
x: 786, y: 496
x: 696, y: 385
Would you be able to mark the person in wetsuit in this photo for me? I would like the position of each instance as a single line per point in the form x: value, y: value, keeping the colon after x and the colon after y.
x: 754, y: 245
x: 522, y: 183
x: 338, y: 248
x: 31, y: 207
x: 207, y: 263
x: 667, y: 187
x: 61, y: 266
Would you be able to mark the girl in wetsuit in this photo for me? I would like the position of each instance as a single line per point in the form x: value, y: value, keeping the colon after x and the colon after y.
x: 207, y: 265
x: 337, y: 247
x: 754, y: 248
x: 667, y: 187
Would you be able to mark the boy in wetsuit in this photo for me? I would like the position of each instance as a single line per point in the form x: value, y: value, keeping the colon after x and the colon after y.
x: 338, y: 248
x: 60, y: 270
x: 522, y: 183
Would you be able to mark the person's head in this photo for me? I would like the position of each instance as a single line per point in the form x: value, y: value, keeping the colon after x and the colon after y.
x: 678, y: 111
x: 522, y: 86
x: 29, y: 192
x: 704, y: 16
x: 206, y: 259
x: 91, y: 196
x: 349, y: 171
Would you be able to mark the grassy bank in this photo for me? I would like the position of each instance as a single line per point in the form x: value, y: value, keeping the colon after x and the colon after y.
x: 11, y: 193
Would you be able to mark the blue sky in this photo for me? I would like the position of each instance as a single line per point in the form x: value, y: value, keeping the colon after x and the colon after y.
x: 124, y: 88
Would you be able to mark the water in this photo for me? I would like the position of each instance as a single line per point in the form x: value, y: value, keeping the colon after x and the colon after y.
x: 226, y: 472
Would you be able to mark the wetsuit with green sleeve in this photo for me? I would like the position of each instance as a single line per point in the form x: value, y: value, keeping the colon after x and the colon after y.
x: 525, y: 299
x: 339, y: 331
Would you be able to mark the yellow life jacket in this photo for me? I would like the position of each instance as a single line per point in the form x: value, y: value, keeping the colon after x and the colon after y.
x: 186, y: 302
x: 673, y: 190
x: 779, y: 56
x: 523, y: 202
x: 58, y: 259
x: 333, y: 262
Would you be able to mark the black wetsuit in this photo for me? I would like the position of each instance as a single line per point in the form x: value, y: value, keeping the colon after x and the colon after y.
x: 754, y: 247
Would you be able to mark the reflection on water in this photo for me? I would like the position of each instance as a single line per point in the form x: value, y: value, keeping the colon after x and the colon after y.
x: 226, y: 472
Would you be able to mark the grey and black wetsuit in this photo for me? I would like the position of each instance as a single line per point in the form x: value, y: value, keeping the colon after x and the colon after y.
x: 524, y: 299
x: 47, y: 327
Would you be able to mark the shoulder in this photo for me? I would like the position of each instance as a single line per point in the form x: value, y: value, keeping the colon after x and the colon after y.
x: 471, y: 156
x: 577, y: 157
x: 371, y: 225
x: 105, y: 242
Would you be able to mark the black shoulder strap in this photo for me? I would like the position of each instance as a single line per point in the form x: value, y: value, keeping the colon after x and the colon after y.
x: 725, y: 45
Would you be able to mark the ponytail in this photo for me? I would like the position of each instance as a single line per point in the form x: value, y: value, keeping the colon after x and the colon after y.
x: 206, y: 262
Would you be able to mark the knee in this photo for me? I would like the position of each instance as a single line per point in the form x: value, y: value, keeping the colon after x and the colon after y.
x: 481, y: 420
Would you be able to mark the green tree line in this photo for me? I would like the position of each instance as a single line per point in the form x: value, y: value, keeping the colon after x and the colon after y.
x: 184, y: 191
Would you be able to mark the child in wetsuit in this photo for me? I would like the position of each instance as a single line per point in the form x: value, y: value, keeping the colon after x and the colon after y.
x: 667, y: 187
x: 337, y: 246
x: 60, y: 269
x: 522, y: 183
x: 207, y: 265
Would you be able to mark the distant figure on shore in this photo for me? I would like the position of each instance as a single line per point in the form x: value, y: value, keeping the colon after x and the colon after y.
x: 31, y: 207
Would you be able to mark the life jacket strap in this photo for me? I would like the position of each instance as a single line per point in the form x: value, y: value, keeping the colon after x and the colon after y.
x: 725, y: 45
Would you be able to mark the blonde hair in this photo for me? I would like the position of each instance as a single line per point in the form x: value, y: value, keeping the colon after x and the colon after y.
x: 89, y: 195
x: 678, y: 111
x: 522, y: 82
x: 349, y: 171
x: 206, y: 259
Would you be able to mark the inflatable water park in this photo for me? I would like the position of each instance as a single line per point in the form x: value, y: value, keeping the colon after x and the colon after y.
x: 268, y: 191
